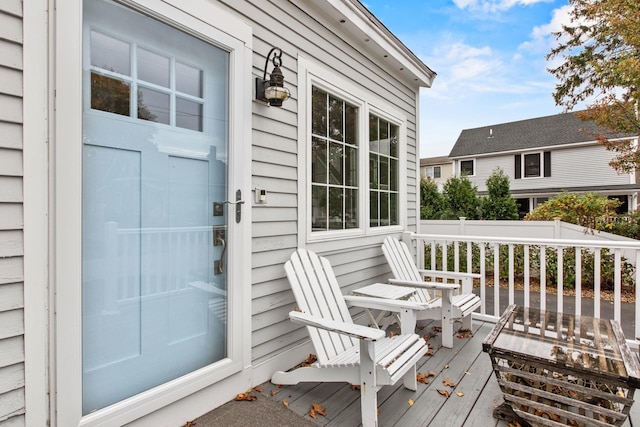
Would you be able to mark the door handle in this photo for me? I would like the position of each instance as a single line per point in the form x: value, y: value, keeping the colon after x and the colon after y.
x: 218, y: 265
x: 218, y: 207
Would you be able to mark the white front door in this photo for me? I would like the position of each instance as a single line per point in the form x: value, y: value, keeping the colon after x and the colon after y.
x: 155, y: 244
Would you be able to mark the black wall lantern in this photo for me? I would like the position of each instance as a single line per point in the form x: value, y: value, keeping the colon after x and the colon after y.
x: 272, y: 90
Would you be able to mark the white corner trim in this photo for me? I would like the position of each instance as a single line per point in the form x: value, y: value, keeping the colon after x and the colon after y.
x: 35, y: 205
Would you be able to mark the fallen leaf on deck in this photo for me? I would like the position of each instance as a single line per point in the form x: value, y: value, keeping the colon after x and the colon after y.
x: 245, y: 396
x: 258, y: 389
x: 410, y: 402
x: 445, y: 393
x: 464, y: 333
x: 392, y: 334
x: 448, y: 382
x: 273, y: 392
x: 437, y: 328
x: 432, y: 374
x: 446, y: 366
x: 189, y: 424
x: 355, y: 386
x: 310, y: 360
x: 422, y: 378
x: 317, y: 409
x: 459, y: 394
x: 285, y: 402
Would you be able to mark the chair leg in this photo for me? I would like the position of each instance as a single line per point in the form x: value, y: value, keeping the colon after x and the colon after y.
x: 410, y: 379
x: 447, y: 333
x: 447, y: 323
x: 466, y: 322
x: 368, y: 389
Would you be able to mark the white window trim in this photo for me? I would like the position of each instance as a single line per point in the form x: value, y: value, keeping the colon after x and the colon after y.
x: 523, y: 166
x: 225, y: 31
x: 475, y: 171
x: 312, y: 74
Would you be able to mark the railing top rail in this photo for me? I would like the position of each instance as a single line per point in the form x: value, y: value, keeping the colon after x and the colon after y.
x: 529, y: 241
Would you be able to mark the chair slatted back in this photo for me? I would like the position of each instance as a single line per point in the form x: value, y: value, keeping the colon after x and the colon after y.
x: 403, y: 265
x: 317, y: 292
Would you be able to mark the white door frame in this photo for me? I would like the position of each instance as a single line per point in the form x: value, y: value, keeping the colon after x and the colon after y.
x: 201, y: 19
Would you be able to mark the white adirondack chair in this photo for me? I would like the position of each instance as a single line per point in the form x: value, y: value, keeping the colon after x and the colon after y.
x: 348, y: 352
x: 457, y: 300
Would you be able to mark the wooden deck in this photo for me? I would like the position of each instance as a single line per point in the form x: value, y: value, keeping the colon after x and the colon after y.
x: 465, y: 365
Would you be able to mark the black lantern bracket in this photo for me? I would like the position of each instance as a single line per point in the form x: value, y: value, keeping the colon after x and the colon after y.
x: 272, y: 91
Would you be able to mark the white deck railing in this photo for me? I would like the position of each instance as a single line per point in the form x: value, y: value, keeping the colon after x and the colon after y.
x: 550, y: 263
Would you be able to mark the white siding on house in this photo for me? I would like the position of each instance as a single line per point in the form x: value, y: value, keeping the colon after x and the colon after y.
x: 301, y: 30
x: 12, y: 402
x: 582, y: 166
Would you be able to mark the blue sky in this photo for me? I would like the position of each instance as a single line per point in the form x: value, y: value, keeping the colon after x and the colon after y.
x: 489, y: 56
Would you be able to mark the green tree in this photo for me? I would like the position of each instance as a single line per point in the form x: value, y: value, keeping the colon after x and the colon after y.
x: 431, y: 200
x: 499, y: 204
x: 600, y: 51
x: 460, y: 199
x: 586, y: 209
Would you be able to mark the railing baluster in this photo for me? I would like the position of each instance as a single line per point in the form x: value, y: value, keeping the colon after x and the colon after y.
x: 483, y: 278
x: 578, y: 285
x: 637, y: 302
x: 433, y: 255
x: 496, y: 279
x: 596, y: 283
x: 617, y: 284
x: 445, y: 256
x: 456, y: 256
x: 560, y: 280
x: 511, y: 278
x: 527, y: 276
x: 543, y: 277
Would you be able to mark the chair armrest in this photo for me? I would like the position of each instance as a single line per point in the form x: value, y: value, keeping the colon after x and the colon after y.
x: 425, y: 285
x: 450, y: 274
x: 351, y: 329
x: 383, y: 303
x: 465, y: 279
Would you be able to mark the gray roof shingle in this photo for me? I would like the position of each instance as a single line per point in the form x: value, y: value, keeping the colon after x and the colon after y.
x: 541, y: 132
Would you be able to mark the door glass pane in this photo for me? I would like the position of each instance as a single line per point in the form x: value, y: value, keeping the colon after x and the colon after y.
x: 188, y: 114
x: 153, y: 68
x: 154, y: 308
x: 188, y: 80
x: 153, y: 105
x: 110, y: 53
x: 110, y: 95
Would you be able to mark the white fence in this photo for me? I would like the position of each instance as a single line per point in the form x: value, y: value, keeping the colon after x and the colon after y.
x: 549, y: 263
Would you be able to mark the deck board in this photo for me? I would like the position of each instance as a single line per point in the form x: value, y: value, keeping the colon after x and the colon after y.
x: 468, y: 367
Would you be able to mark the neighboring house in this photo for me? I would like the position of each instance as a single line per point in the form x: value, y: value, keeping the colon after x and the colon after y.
x: 148, y: 201
x: 543, y: 157
x: 440, y: 169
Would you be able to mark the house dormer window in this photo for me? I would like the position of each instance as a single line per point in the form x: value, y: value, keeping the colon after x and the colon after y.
x: 533, y: 165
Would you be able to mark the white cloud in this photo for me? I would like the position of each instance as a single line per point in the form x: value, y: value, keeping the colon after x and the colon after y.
x: 494, y: 5
x: 542, y: 38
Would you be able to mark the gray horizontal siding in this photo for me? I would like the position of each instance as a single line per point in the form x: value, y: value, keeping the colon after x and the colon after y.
x: 575, y: 167
x: 12, y: 401
x: 300, y: 31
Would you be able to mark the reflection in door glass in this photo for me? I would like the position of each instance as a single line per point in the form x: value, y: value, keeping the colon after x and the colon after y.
x: 110, y: 95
